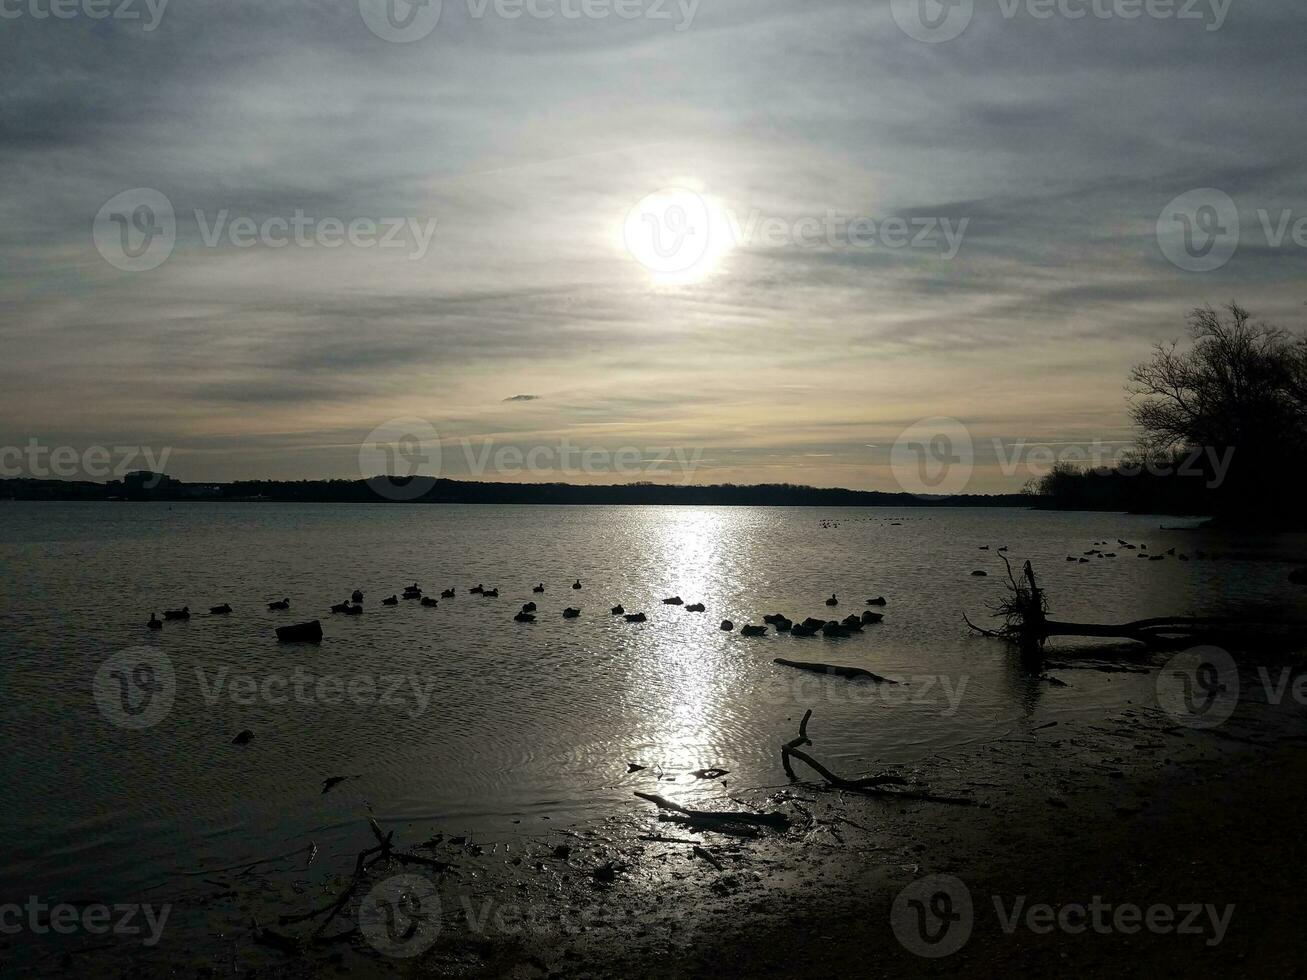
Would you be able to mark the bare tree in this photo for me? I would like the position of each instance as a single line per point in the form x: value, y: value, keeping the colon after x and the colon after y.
x: 1240, y: 386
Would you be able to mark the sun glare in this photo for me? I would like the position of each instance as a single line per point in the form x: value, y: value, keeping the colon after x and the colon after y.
x: 679, y: 235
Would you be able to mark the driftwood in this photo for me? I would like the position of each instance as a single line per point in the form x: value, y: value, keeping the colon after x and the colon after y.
x: 849, y: 673
x: 382, y: 851
x: 1024, y: 612
x: 774, y: 819
x: 870, y: 785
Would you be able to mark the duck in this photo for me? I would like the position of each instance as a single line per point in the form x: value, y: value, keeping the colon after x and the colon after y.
x: 636, y: 617
x: 282, y: 604
x: 447, y: 594
x: 242, y: 737
x: 673, y: 601
x: 576, y: 584
x: 618, y: 611
x: 834, y: 629
x: 727, y: 626
x: 412, y: 588
x: 871, y: 617
x: 340, y: 607
x: 571, y: 613
x: 813, y: 623
x: 429, y: 602
x: 155, y: 622
x: 979, y: 574
x: 183, y: 613
x: 695, y: 607
x: 392, y: 601
x: 524, y: 617
x: 412, y: 593
x: 852, y: 622
x: 832, y: 601
x: 750, y: 630
x: 354, y: 610
x: 477, y: 590
x: 529, y: 607
x: 356, y: 596
x: 539, y: 588
x: 220, y: 610
x: 802, y: 631
x: 878, y: 601
x: 490, y: 593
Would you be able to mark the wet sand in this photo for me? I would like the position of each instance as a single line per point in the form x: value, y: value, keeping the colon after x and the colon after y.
x: 1131, y: 808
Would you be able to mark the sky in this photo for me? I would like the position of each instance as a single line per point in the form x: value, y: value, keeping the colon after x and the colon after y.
x: 613, y: 240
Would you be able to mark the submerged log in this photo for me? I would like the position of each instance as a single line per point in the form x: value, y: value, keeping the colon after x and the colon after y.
x: 849, y: 673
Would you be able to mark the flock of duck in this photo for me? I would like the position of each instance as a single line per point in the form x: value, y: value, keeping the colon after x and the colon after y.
x: 527, y: 614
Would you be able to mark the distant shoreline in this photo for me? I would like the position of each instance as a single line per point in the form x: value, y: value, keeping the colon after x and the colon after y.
x: 426, y: 490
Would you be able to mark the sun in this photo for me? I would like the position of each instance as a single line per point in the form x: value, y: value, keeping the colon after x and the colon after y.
x: 679, y: 235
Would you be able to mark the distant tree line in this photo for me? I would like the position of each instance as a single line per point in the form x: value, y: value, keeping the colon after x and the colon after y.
x: 434, y: 491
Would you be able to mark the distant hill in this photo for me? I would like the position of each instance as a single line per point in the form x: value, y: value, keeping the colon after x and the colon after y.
x: 425, y: 490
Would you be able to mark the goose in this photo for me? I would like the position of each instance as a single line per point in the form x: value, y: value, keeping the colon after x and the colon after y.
x: 871, y: 617
x: 878, y: 601
x: 429, y: 602
x: 447, y: 594
x: 618, y: 611
x: 695, y: 607
x: 477, y: 590
x: 576, y: 584
x: 524, y: 617
x: 673, y: 601
x: 570, y: 613
x: 220, y: 610
x: 529, y: 607
x: 751, y: 630
x: 155, y: 622
x: 727, y: 626
x: 832, y: 601
x: 340, y: 607
x: 354, y: 610
x: 636, y: 617
x: 539, y: 588
x: 183, y: 613
x: 491, y: 593
x: 392, y: 601
x: 356, y: 596
x: 283, y: 604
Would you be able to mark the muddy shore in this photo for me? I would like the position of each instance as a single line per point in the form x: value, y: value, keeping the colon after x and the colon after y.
x: 1129, y: 809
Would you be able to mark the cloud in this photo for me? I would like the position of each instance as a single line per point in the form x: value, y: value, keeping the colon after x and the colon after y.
x: 522, y: 398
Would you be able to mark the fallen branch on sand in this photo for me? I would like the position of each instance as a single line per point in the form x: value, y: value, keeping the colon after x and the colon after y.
x: 382, y: 851
x: 774, y: 819
x: 870, y: 785
x: 849, y: 673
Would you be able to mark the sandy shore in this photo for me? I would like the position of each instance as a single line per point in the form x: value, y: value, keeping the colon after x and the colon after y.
x: 1125, y: 810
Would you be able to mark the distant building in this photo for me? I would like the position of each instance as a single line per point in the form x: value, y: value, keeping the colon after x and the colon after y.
x: 144, y: 485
